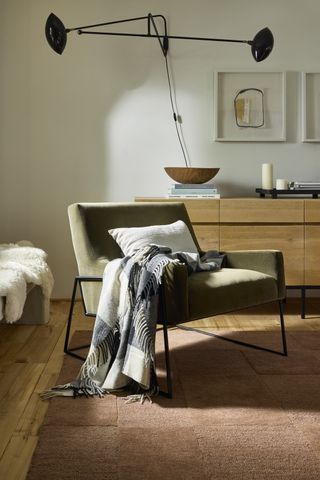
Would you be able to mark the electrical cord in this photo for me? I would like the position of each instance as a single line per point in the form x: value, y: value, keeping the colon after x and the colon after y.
x: 176, y: 116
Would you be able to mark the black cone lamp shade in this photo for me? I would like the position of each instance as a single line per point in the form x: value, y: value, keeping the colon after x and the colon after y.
x: 56, y: 33
x: 262, y: 44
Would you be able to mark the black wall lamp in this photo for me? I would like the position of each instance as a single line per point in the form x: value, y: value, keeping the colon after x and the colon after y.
x: 56, y: 33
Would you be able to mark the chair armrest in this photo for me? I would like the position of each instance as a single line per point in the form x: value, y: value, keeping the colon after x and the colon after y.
x: 269, y: 262
x: 175, y: 290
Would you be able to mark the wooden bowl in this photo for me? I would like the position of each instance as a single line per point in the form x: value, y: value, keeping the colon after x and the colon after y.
x: 191, y: 174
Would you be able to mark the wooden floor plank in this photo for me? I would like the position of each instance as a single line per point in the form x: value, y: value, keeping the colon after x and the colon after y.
x: 35, y: 411
x: 39, y: 346
x: 7, y: 428
x: 16, y: 460
x: 16, y: 336
x: 16, y: 387
x: 19, y: 417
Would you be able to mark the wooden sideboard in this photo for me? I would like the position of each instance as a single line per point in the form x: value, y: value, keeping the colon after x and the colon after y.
x: 290, y: 225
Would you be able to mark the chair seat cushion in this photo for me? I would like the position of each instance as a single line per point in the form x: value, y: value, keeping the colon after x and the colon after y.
x: 212, y: 293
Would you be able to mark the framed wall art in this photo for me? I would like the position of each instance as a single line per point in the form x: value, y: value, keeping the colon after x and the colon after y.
x: 310, y: 83
x: 250, y: 106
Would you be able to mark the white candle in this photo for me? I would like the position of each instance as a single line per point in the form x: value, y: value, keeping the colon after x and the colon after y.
x: 282, y: 184
x: 267, y: 176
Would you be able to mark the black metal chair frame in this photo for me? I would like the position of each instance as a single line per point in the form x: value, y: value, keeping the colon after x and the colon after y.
x: 78, y: 282
x: 162, y: 313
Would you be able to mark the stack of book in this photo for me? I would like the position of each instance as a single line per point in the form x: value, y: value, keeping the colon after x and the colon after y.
x: 305, y: 185
x: 193, y: 190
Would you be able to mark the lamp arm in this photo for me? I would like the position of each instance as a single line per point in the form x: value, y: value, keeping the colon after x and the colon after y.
x: 106, y: 23
x: 176, y: 37
x: 148, y: 17
x: 210, y: 39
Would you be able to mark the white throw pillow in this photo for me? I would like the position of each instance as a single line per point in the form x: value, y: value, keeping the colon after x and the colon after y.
x: 174, y: 235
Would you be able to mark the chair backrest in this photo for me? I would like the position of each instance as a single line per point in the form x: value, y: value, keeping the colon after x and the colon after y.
x: 94, y: 246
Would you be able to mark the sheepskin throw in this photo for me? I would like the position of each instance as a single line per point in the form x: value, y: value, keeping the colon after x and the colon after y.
x: 21, y: 264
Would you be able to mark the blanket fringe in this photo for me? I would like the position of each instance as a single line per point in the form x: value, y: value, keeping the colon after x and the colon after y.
x: 85, y: 386
x: 88, y: 388
x: 138, y: 397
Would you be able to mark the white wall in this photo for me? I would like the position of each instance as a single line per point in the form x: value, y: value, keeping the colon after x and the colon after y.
x: 95, y: 123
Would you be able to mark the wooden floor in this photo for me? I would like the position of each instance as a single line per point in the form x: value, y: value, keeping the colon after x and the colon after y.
x: 31, y: 358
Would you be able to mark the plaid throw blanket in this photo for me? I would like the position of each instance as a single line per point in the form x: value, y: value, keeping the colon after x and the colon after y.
x: 121, y: 355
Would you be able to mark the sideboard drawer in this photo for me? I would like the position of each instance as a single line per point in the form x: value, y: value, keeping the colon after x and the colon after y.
x: 261, y: 210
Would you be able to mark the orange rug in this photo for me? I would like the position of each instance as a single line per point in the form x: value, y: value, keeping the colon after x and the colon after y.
x: 236, y: 414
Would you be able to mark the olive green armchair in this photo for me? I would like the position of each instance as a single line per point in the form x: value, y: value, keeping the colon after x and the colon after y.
x: 248, y: 278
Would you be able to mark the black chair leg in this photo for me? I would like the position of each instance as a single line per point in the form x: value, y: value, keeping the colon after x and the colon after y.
x: 77, y: 281
x: 303, y: 302
x: 283, y: 331
x: 66, y: 341
x: 163, y: 318
x: 168, y: 393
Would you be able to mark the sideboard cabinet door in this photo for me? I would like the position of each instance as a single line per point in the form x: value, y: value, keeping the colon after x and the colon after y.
x: 312, y: 242
x: 287, y: 238
x: 277, y: 224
